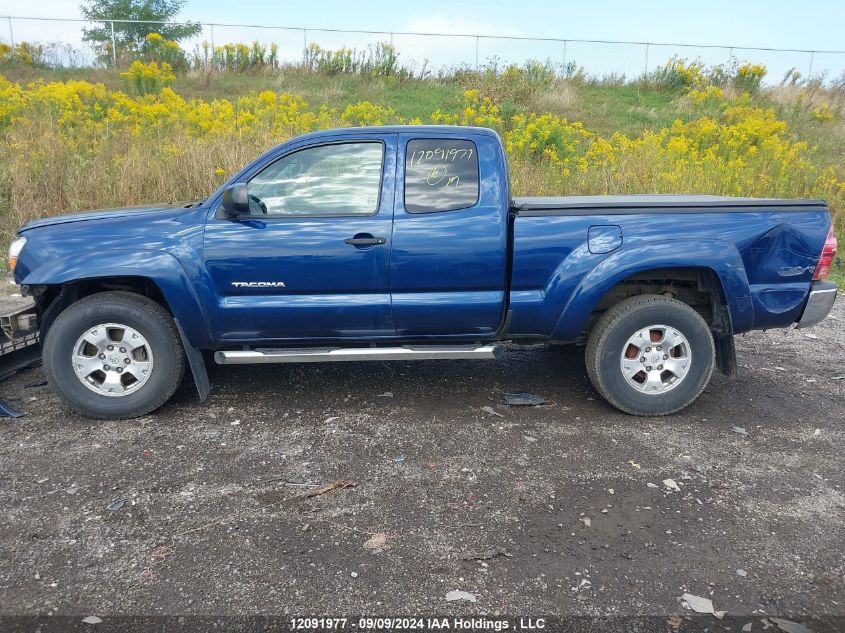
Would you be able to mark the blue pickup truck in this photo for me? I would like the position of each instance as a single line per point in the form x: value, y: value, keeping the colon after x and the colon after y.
x: 404, y: 243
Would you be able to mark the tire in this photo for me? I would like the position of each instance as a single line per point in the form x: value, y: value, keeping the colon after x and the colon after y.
x: 159, y: 362
x: 624, y: 373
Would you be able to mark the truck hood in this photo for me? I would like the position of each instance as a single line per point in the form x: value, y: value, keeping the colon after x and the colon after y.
x: 106, y: 214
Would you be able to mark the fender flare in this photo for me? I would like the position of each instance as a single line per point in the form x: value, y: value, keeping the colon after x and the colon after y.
x: 639, y: 257
x: 159, y: 267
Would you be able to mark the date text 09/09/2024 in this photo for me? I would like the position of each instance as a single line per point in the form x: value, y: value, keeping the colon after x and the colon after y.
x: 416, y: 623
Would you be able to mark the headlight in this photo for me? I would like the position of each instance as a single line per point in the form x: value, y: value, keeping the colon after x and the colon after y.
x: 15, y: 249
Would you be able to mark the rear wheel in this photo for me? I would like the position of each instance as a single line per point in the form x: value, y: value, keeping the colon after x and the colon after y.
x: 114, y: 355
x: 650, y: 355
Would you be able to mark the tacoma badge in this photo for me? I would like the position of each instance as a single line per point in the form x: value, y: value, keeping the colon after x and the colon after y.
x: 258, y: 284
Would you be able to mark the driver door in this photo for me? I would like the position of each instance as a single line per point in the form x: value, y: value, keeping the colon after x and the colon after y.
x: 311, y: 260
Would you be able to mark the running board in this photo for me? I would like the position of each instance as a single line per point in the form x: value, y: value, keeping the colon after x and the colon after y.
x: 339, y: 354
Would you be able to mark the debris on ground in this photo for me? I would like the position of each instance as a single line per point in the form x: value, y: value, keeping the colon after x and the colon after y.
x: 522, y: 399
x: 399, y: 459
x: 491, y: 411
x: 376, y: 541
x: 277, y: 496
x: 386, y: 394
x: 842, y: 377
x: 702, y: 605
x: 739, y: 429
x: 117, y: 504
x: 634, y: 464
x: 791, y: 627
x: 586, y: 521
x: 487, y: 555
x: 457, y: 594
x: 741, y: 572
x: 8, y: 411
x: 651, y: 485
x: 671, y: 485
x: 285, y: 481
x: 91, y: 619
x: 72, y: 489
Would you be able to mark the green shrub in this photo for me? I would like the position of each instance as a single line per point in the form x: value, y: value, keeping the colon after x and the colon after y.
x: 677, y: 74
x: 162, y: 51
x: 148, y: 78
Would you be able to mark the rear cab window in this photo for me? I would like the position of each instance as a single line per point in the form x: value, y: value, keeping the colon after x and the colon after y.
x: 440, y: 175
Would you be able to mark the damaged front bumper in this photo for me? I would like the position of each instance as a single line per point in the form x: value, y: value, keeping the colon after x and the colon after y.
x: 819, y: 303
x: 18, y: 319
x: 19, y: 345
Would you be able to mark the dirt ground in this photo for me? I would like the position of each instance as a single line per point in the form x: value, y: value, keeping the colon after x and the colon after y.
x: 561, y: 509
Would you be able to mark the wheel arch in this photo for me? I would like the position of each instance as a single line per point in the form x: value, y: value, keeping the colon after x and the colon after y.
x: 53, y: 299
x: 153, y: 274
x: 697, y: 286
x: 713, y: 267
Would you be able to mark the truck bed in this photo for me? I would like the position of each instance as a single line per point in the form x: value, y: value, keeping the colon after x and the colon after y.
x: 656, y: 203
x: 569, y: 251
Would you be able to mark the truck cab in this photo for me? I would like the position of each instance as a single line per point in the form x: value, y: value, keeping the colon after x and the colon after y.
x: 330, y: 244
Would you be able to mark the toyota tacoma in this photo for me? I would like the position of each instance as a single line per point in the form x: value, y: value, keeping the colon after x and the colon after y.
x: 404, y: 243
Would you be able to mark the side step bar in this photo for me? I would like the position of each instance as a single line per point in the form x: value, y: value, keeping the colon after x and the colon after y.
x: 339, y: 354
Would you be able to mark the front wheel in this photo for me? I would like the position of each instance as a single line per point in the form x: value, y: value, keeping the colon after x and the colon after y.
x: 650, y: 355
x: 114, y: 355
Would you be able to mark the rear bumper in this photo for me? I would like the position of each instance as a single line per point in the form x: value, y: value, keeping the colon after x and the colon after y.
x: 819, y: 303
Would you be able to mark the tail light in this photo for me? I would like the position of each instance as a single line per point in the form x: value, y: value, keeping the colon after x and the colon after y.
x: 826, y: 259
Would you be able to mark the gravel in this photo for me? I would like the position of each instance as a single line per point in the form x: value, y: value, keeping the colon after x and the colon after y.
x: 218, y: 518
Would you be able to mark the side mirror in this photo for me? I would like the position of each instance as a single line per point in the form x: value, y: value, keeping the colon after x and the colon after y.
x: 236, y: 200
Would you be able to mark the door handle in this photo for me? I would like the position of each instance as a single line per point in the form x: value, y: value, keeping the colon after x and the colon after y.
x: 364, y: 239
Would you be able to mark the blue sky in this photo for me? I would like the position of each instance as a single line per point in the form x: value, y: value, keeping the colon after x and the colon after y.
x: 778, y: 24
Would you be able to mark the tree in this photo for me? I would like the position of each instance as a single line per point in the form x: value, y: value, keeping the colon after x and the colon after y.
x: 129, y: 37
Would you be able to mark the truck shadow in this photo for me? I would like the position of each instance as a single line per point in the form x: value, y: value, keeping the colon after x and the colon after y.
x: 552, y: 373
x: 557, y: 374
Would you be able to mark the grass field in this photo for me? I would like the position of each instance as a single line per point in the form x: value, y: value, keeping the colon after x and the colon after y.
x: 85, y: 138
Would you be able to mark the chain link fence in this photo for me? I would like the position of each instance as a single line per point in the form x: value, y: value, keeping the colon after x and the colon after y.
x: 62, y: 44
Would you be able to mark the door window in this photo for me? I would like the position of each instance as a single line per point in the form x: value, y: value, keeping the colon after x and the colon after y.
x: 440, y: 175
x: 339, y: 179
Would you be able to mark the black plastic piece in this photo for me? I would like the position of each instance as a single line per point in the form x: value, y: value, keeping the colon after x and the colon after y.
x: 197, y: 365
x: 236, y: 200
x: 726, y: 355
x: 8, y: 411
x: 365, y: 241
